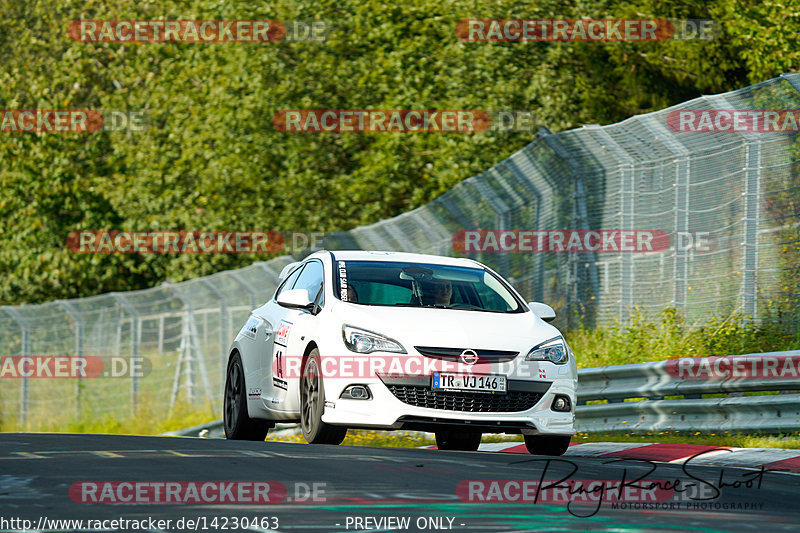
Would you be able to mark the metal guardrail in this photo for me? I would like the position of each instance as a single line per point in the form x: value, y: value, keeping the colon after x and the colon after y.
x: 666, y: 402
x: 207, y: 430
x: 216, y: 430
x: 650, y: 397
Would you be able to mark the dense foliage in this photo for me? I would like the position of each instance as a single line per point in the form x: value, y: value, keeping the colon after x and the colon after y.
x: 211, y: 159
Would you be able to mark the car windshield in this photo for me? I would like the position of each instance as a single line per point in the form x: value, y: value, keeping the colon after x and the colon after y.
x: 401, y: 284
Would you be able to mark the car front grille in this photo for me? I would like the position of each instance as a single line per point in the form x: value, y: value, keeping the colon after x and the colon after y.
x: 453, y: 354
x: 471, y: 402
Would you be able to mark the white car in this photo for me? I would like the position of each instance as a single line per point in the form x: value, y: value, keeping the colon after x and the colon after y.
x: 385, y: 340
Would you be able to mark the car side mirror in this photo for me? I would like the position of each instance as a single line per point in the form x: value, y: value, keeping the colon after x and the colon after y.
x: 543, y: 311
x: 295, y: 299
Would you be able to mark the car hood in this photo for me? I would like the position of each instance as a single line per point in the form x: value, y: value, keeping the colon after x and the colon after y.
x: 451, y: 328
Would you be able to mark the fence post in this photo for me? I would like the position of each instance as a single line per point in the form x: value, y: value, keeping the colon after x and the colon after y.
x: 751, y: 223
x: 504, y: 174
x: 457, y: 214
x: 627, y: 191
x: 752, y: 202
x: 161, y: 334
x: 136, y: 328
x: 188, y: 350
x: 76, y: 317
x: 585, y: 260
x: 25, y: 350
x: 537, y: 286
x: 275, y: 277
x: 223, y: 326
x: 503, y: 217
x: 238, y: 279
x: 681, y: 221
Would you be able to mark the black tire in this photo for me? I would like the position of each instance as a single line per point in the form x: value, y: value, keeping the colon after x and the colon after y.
x: 463, y: 440
x: 547, y: 444
x: 238, y: 424
x: 312, y: 405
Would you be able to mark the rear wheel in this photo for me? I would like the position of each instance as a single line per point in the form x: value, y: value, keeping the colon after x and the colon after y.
x: 464, y: 440
x: 547, y: 444
x: 238, y: 424
x: 312, y: 404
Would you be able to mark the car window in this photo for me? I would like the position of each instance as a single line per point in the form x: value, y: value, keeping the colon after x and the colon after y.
x: 493, y: 296
x: 389, y: 283
x: 310, y: 279
x: 289, y: 282
x: 379, y: 293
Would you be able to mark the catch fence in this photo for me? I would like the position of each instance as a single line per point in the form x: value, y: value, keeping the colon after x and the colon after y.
x: 729, y: 203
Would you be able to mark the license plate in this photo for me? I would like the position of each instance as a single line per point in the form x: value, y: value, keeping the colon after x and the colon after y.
x: 469, y: 382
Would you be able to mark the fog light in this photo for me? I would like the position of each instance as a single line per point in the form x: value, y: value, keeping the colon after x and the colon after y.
x: 561, y: 404
x: 356, y: 392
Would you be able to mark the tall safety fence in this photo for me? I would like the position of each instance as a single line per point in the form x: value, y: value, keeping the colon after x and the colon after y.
x: 728, y: 203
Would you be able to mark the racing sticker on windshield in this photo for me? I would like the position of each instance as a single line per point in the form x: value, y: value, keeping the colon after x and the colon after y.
x: 249, y: 329
x: 342, y: 281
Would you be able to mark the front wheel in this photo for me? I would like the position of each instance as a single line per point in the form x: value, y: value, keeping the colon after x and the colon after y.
x: 466, y: 440
x: 238, y: 424
x: 547, y: 444
x: 312, y: 404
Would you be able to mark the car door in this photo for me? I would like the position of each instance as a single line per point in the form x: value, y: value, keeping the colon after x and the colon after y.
x: 291, y: 329
x: 271, y: 316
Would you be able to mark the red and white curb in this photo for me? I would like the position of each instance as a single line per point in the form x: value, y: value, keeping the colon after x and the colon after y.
x: 775, y: 459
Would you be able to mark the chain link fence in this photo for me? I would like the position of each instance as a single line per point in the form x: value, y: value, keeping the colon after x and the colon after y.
x: 740, y: 191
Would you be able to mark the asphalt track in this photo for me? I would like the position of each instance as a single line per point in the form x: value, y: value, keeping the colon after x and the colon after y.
x: 37, y: 471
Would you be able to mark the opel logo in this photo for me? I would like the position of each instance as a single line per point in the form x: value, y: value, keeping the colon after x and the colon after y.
x: 469, y: 357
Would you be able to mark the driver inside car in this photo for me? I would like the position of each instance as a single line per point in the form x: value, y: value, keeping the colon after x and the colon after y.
x: 436, y: 292
x: 442, y: 292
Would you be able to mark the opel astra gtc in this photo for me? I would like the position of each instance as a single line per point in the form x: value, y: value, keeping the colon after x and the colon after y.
x: 385, y: 340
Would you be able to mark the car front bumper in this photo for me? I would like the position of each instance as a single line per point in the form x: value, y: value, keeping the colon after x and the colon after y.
x: 526, y: 408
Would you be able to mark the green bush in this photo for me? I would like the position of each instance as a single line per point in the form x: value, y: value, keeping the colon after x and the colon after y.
x: 668, y: 337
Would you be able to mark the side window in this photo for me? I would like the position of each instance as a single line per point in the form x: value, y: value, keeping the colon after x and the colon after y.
x: 287, y: 284
x: 310, y: 279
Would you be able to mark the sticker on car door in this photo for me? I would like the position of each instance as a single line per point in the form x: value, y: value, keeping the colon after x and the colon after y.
x: 281, y: 341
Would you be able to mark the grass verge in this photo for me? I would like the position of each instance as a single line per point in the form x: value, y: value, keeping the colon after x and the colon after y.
x: 670, y: 336
x: 150, y: 419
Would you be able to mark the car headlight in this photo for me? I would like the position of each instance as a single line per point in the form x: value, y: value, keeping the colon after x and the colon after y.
x: 554, y: 350
x: 363, y: 341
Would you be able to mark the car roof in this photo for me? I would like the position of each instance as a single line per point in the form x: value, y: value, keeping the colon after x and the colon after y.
x: 402, y: 257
